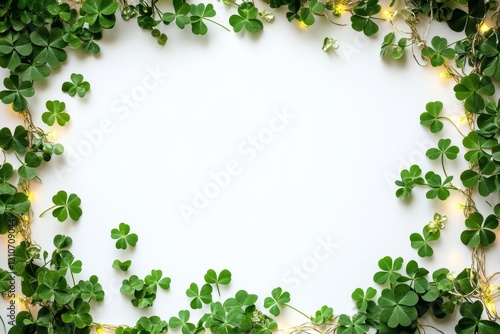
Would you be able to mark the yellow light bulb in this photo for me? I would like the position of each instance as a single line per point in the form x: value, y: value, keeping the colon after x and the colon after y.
x: 459, y: 206
x: 31, y: 197
x: 99, y: 330
x: 387, y: 14
x: 484, y: 28
x: 302, y: 25
x: 339, y: 9
x: 462, y: 119
x: 444, y: 75
x: 53, y: 133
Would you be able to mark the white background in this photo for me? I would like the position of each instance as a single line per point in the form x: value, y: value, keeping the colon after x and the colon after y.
x: 327, y: 177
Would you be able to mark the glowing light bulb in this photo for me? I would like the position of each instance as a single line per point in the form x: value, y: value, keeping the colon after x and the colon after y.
x: 387, y: 14
x: 490, y: 305
x: 339, y: 9
x: 484, y: 28
x: 459, y: 206
x: 99, y: 330
x: 302, y: 25
x: 31, y: 197
x: 444, y: 75
x: 462, y: 119
x: 53, y: 133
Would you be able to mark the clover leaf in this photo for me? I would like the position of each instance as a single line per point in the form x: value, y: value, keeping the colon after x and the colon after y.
x: 398, y: 306
x: 18, y: 140
x: 56, y: 112
x: 409, y: 179
x: 468, y: 20
x: 362, y: 298
x: 123, y: 266
x: 200, y: 296
x: 362, y: 19
x: 490, y: 49
x: 90, y: 290
x: 65, y: 206
x: 180, y: 15
x: 389, y: 270
x: 224, y: 278
x: 396, y: 50
x: 51, y: 45
x: 64, y: 261
x: 183, y: 322
x: 355, y: 325
x: 123, y: 236
x: 431, y: 116
x: 12, y: 48
x: 323, y: 315
x: 438, y: 52
x: 443, y: 149
x: 77, y: 86
x: 151, y: 325
x: 471, y: 320
x: 278, y: 298
x: 246, y: 18
x: 131, y: 285
x: 478, y: 146
x: 421, y: 242
x: 480, y: 232
x: 51, y: 284
x: 17, y: 92
x: 307, y: 14
x: 472, y: 89
x: 100, y: 14
x: 5, y: 278
x: 439, y: 186
x: 199, y: 13
x: 79, y: 315
x: 155, y: 280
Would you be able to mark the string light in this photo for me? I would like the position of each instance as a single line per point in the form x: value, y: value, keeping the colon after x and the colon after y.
x: 462, y: 119
x: 302, y: 25
x: 387, y: 14
x: 31, y: 197
x: 339, y: 9
x: 99, y: 330
x: 53, y: 133
x: 459, y: 206
x: 484, y: 28
x: 444, y: 75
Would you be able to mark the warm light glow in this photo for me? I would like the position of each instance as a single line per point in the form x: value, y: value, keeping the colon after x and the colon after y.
x: 462, y: 119
x: 339, y: 9
x: 53, y: 133
x: 31, y: 197
x: 99, y: 330
x: 459, y: 206
x: 387, y: 14
x: 302, y: 25
x: 444, y: 75
x: 484, y: 28
x: 490, y: 305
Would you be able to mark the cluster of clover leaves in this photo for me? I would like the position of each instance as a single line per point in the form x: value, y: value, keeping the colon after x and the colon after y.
x: 35, y: 37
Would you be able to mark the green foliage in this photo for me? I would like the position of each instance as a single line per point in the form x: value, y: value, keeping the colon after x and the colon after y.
x: 438, y: 52
x: 409, y: 179
x: 17, y: 92
x: 144, y: 291
x: 479, y: 233
x: 200, y: 13
x: 398, y: 306
x: 199, y: 296
x: 389, y: 270
x: 307, y: 13
x: 473, y: 90
x: 431, y: 116
x: 246, y: 18
x: 353, y: 325
x: 439, y: 186
x: 323, y: 315
x: 65, y: 206
x: 123, y: 236
x: 471, y: 320
x: 77, y: 86
x: 56, y: 112
x: 421, y: 242
x: 17, y: 141
x: 362, y: 298
x: 224, y: 278
x: 362, y: 19
x: 396, y: 50
x: 123, y: 266
x: 443, y: 150
x: 278, y: 298
x: 99, y: 14
x: 183, y: 322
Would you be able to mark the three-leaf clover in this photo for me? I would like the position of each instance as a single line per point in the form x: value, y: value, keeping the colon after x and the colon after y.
x: 397, y: 50
x: 65, y: 206
x: 123, y: 266
x: 180, y: 15
x: 18, y: 140
x: 439, y: 186
x: 100, y: 14
x: 398, y: 306
x: 51, y: 284
x: 306, y: 14
x: 389, y: 270
x: 409, y: 179
x: 278, y: 298
x: 431, y: 116
x: 123, y: 236
x: 421, y: 242
x: 183, y: 322
x: 77, y: 86
x: 200, y: 296
x: 199, y: 13
x: 472, y: 89
x: 323, y: 315
x: 443, y: 149
x: 471, y: 321
x: 362, y: 298
x: 224, y: 278
x: 17, y: 92
x: 79, y: 315
x: 362, y: 19
x: 51, y: 45
x: 246, y: 18
x: 56, y: 112
x: 438, y: 52
x: 355, y: 325
x: 131, y: 285
x: 479, y: 233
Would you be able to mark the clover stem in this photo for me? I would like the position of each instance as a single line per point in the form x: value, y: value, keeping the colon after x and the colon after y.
x: 218, y: 290
x: 442, y: 165
x: 217, y: 23
x: 452, y: 123
x: 52, y: 207
x: 298, y: 311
